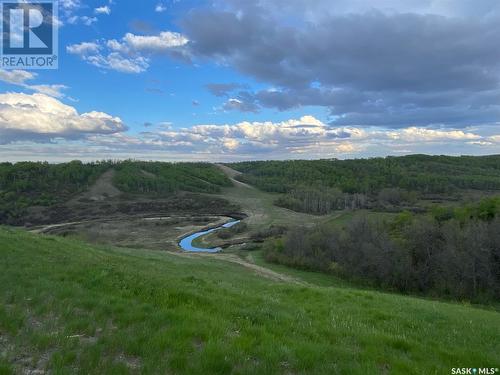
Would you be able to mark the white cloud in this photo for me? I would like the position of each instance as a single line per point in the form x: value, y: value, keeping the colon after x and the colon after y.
x: 69, y: 10
x: 90, y: 52
x: 84, y: 48
x: 306, y: 137
x: 160, y: 8
x: 230, y: 143
x: 85, y: 20
x: 291, y: 136
x: 423, y: 134
x: 480, y: 143
x: 236, y: 104
x: 105, y: 9
x: 120, y: 63
x: 130, y: 54
x: 21, y: 77
x: 346, y: 148
x: 69, y: 4
x: 51, y: 90
x: 494, y: 138
x: 149, y: 43
x: 16, y: 77
x: 88, y: 20
x: 41, y: 117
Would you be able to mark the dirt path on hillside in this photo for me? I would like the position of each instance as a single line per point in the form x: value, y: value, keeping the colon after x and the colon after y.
x: 47, y: 228
x: 102, y: 189
x: 259, y: 270
x: 232, y: 174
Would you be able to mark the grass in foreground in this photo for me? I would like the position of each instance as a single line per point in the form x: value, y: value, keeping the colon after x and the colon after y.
x: 74, y: 308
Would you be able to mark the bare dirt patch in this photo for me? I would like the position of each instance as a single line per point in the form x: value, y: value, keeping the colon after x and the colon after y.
x: 232, y: 174
x: 102, y: 189
x: 133, y: 363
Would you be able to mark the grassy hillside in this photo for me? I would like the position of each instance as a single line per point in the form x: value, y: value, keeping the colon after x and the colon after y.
x: 73, y: 308
x: 159, y: 178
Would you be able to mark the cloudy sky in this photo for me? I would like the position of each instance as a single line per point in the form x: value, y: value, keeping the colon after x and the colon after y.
x: 265, y: 79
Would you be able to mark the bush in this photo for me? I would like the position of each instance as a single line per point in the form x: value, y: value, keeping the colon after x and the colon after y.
x: 272, y: 231
x: 227, y: 233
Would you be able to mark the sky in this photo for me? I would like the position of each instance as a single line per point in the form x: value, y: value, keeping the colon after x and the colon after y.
x: 257, y: 80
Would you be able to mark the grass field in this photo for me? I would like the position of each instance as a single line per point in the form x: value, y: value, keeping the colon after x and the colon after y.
x: 259, y: 205
x: 69, y: 307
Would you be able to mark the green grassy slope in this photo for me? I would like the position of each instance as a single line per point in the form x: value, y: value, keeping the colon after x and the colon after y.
x: 73, y: 308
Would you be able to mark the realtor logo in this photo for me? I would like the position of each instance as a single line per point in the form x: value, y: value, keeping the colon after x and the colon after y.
x: 29, y: 35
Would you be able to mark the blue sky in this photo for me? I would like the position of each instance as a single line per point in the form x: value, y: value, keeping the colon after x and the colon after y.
x: 238, y: 80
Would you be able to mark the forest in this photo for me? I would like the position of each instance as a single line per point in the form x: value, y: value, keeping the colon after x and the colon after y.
x: 450, y: 252
x: 28, y: 184
x: 323, y: 186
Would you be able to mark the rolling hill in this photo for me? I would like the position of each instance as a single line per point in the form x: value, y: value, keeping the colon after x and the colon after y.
x: 69, y: 307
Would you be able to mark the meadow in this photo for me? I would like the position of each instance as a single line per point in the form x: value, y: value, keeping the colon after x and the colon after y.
x: 69, y: 307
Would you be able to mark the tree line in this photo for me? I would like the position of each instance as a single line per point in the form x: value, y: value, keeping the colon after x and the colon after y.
x: 457, y: 255
x: 422, y: 173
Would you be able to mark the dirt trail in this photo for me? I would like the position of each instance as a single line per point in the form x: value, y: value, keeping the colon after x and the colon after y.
x: 232, y: 174
x: 47, y: 228
x: 259, y: 270
x: 102, y: 189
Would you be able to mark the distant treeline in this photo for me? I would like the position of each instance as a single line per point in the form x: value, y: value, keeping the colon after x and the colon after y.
x: 449, y: 253
x: 28, y: 184
x: 321, y: 186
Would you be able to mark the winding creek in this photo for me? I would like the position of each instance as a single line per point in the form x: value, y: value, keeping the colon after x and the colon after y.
x: 186, y: 243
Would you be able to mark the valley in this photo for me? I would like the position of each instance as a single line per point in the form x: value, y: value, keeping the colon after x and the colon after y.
x: 97, y: 282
